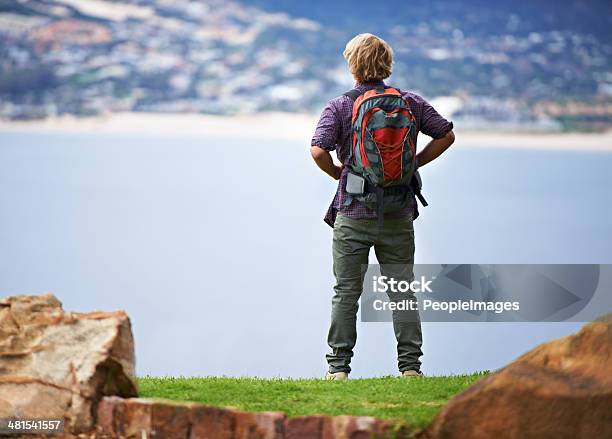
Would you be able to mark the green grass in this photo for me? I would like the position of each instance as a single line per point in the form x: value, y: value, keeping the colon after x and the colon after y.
x: 412, y: 401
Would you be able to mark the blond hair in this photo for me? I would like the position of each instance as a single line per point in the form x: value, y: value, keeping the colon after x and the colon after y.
x: 369, y: 57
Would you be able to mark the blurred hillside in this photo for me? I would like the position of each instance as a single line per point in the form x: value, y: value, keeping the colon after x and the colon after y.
x: 541, y: 65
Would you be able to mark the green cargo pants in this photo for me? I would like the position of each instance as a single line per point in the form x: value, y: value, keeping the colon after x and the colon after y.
x: 393, y: 243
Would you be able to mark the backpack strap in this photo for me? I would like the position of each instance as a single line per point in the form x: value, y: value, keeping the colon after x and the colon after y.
x: 380, y: 214
x: 416, y: 184
x: 353, y: 94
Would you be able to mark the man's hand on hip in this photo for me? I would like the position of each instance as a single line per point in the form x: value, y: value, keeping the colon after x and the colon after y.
x: 325, y: 162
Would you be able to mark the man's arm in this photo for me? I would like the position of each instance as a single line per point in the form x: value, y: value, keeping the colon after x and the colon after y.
x: 435, y: 148
x: 324, y: 161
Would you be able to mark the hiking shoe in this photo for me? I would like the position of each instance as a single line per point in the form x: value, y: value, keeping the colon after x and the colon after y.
x: 411, y: 373
x: 336, y: 376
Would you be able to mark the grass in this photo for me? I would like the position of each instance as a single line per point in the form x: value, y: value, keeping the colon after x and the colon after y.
x: 412, y: 401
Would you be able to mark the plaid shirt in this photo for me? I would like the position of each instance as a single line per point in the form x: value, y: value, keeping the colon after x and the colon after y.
x: 333, y: 132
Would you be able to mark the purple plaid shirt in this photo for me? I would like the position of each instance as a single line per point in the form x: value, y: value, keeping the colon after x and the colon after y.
x: 333, y: 132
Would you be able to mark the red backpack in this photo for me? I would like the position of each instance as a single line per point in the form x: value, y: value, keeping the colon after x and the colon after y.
x: 382, y: 161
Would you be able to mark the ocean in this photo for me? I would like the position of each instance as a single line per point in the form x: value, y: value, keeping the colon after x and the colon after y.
x: 218, y: 252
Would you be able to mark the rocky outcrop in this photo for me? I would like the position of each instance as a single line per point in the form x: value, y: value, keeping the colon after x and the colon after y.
x: 137, y: 418
x: 561, y: 389
x: 57, y: 364
x: 80, y: 367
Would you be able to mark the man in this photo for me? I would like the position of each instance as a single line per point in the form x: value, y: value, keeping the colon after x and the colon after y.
x: 356, y: 225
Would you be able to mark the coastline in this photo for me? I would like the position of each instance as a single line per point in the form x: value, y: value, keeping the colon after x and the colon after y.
x: 290, y: 127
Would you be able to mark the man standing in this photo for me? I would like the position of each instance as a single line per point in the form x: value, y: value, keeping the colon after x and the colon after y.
x: 359, y: 225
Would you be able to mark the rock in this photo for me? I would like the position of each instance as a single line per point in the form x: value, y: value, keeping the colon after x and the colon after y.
x: 561, y: 389
x: 363, y: 427
x: 141, y: 417
x: 57, y: 364
x: 299, y: 427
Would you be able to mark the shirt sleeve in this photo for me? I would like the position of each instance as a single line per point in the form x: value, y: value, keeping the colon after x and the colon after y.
x: 328, y: 128
x: 432, y: 124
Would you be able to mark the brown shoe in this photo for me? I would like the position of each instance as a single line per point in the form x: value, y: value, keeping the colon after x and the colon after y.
x: 336, y: 376
x: 411, y: 373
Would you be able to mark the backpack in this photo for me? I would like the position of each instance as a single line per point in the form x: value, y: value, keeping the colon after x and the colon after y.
x: 382, y: 159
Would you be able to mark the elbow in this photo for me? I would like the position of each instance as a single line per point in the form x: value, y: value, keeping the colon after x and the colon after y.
x: 450, y: 136
x: 317, y: 153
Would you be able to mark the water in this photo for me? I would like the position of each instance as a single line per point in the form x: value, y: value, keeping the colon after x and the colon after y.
x: 217, y: 250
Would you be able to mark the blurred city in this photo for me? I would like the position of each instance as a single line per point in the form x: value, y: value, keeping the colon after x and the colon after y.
x: 532, y: 68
